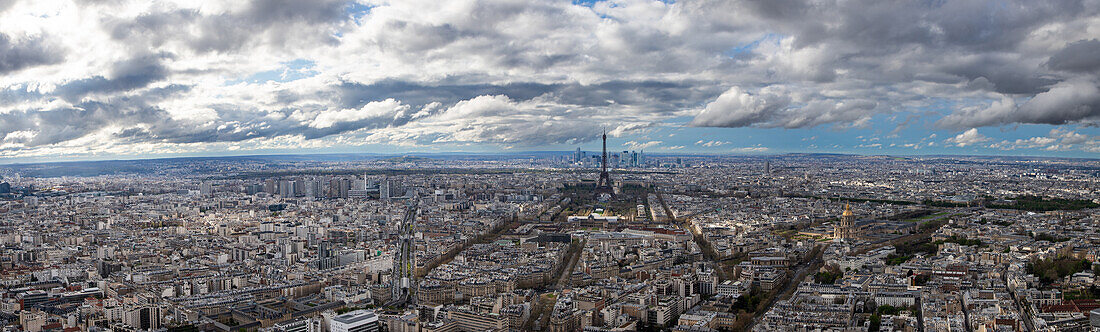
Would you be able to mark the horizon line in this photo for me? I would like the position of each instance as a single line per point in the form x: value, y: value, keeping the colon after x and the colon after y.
x: 467, y: 153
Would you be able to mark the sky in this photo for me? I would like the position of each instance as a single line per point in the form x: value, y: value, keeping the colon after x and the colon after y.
x: 118, y: 79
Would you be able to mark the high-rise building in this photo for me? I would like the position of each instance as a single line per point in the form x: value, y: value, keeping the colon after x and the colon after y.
x: 270, y: 187
x: 286, y: 188
x: 255, y: 189
x: 384, y: 189
x: 355, y: 321
x: 206, y: 189
x: 326, y: 256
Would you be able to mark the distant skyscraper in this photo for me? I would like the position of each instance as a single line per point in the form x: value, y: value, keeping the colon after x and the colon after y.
x: 384, y: 189
x: 326, y: 255
x: 206, y: 189
x: 270, y: 187
x: 286, y: 188
x: 768, y: 167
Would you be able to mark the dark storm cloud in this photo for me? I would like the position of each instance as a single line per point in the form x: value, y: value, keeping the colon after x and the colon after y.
x: 67, y: 123
x: 978, y: 44
x: 17, y: 55
x: 60, y: 124
x: 1079, y: 56
x: 1071, y: 102
x: 135, y: 73
x: 1004, y: 75
x: 141, y: 121
x: 282, y: 11
x: 273, y: 22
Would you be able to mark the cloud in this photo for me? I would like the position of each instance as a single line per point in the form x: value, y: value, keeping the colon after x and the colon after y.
x: 260, y: 22
x: 17, y: 55
x: 967, y: 138
x: 132, y: 74
x: 5, y: 4
x: 711, y: 143
x: 750, y: 149
x: 1074, y: 101
x: 1057, y: 140
x: 388, y: 108
x: 1079, y: 56
x: 641, y: 146
x: 190, y: 76
x: 737, y: 108
x: 500, y: 120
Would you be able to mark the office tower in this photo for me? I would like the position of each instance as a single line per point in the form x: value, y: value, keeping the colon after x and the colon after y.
x: 384, y: 189
x: 768, y: 167
x: 255, y: 189
x: 326, y: 255
x: 270, y: 187
x: 358, y: 188
x: 312, y: 188
x: 206, y: 189
x: 333, y: 188
x: 286, y: 188
x: 355, y: 321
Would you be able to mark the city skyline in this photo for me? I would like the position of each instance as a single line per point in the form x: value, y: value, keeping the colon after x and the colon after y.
x: 549, y: 165
x: 134, y: 80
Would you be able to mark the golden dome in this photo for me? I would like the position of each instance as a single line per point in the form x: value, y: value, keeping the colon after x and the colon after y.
x: 847, y: 210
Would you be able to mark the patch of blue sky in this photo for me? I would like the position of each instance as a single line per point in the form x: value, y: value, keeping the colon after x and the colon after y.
x: 747, y: 48
x: 919, y: 135
x: 291, y: 71
x: 357, y: 10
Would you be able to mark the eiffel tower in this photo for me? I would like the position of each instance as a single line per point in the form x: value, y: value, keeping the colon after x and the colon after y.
x: 604, y: 184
